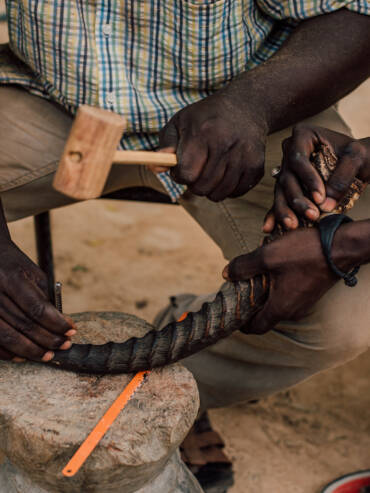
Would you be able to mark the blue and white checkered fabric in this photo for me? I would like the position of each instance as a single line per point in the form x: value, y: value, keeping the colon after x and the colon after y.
x: 145, y: 59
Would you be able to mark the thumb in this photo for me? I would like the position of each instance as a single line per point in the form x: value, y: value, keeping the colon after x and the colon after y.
x: 244, y: 267
x: 168, y: 137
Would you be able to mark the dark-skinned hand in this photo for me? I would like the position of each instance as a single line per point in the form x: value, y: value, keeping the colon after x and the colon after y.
x: 220, y: 147
x: 300, y: 192
x: 297, y: 270
x: 30, y: 326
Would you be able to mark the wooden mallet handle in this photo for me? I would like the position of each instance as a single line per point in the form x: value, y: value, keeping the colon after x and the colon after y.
x: 145, y: 157
x: 90, y: 151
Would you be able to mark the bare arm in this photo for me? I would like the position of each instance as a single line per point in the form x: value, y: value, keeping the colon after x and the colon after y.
x: 324, y: 59
x: 220, y: 141
x: 305, y: 266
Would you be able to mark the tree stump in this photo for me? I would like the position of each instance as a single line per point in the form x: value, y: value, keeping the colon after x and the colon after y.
x: 46, y: 413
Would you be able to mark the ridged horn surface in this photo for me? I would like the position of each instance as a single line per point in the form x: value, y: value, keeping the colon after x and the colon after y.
x: 234, y: 305
x: 232, y: 309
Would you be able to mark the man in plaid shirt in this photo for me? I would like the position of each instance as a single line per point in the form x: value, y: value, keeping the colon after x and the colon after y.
x: 221, y: 82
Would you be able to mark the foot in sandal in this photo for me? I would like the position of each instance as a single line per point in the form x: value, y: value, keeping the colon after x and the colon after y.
x: 202, y: 451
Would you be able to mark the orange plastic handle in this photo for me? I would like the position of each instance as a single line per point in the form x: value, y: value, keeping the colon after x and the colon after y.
x: 103, y: 425
x: 183, y: 316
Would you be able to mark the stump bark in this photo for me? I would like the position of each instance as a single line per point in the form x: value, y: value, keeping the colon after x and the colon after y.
x: 45, y: 414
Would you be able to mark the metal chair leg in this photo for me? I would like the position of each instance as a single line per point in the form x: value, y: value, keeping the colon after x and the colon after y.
x: 44, y: 249
x: 43, y: 231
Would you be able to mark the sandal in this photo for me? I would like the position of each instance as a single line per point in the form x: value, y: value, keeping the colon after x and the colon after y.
x: 202, y: 453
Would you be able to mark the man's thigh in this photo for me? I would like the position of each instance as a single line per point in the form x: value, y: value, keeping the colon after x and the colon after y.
x: 236, y: 224
x: 33, y: 132
x: 244, y: 367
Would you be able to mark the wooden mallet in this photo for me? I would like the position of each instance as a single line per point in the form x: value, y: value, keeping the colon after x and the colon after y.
x: 90, y: 151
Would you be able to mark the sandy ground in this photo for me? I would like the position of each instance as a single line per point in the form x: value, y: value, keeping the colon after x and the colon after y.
x: 131, y: 257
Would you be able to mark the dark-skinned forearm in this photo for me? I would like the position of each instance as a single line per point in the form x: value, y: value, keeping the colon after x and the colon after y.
x: 324, y: 59
x: 351, y: 245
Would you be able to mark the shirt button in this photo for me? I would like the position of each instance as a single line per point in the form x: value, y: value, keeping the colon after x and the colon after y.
x: 110, y: 98
x: 107, y: 29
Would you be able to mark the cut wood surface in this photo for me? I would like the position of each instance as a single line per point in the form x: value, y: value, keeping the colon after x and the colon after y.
x: 48, y: 414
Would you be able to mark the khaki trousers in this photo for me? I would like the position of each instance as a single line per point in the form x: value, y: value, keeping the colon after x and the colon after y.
x: 243, y: 367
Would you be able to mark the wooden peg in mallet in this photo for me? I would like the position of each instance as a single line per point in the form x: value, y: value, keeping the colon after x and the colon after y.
x: 90, y: 151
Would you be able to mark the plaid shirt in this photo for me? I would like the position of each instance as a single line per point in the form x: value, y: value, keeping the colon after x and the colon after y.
x: 145, y: 59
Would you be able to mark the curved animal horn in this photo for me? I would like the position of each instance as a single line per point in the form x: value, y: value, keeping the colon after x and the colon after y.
x: 234, y: 305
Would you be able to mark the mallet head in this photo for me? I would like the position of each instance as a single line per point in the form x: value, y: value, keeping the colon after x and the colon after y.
x: 89, y: 153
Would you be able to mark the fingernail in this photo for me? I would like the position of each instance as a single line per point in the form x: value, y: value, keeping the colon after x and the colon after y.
x: 318, y: 197
x: 288, y: 222
x: 312, y: 214
x: 328, y: 205
x: 70, y: 333
x: 225, y: 273
x: 17, y: 359
x: 47, y: 356
x: 66, y: 345
x: 267, y: 225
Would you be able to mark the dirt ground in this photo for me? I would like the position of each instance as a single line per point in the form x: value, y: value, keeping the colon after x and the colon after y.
x: 131, y: 256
